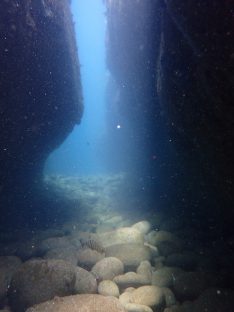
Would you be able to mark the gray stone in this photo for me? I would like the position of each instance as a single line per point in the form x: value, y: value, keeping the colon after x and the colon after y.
x: 142, y: 226
x: 80, y: 303
x: 87, y: 257
x: 108, y: 268
x: 108, y: 288
x: 124, y: 235
x: 131, y: 279
x: 130, y: 254
x: 85, y: 283
x: 151, y: 296
x: 40, y: 280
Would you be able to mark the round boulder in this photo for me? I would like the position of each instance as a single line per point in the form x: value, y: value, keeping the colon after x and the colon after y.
x: 108, y: 268
x: 151, y: 296
x: 39, y: 280
x: 85, y: 283
x: 108, y: 288
x: 130, y: 254
x: 87, y: 257
x: 125, y: 235
x: 143, y: 226
x: 131, y: 279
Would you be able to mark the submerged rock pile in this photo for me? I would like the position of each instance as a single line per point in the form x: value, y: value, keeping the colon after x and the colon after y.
x: 156, y: 266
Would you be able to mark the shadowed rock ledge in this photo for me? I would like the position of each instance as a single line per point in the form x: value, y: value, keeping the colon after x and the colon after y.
x: 40, y: 93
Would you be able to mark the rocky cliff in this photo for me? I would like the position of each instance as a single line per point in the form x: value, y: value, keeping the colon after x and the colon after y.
x: 40, y: 92
x: 173, y: 64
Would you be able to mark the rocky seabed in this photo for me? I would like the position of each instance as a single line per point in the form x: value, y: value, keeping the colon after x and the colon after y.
x: 157, y: 264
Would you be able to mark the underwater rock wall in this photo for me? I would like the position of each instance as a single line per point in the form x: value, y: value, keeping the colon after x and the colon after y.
x: 175, y: 59
x: 40, y: 97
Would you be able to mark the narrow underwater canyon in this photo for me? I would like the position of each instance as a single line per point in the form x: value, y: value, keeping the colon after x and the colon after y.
x: 156, y: 234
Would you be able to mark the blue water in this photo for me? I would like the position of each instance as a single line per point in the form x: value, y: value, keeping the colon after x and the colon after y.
x: 84, y: 150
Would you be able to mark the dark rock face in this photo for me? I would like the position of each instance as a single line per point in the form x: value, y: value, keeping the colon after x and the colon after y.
x: 40, y: 92
x: 172, y: 63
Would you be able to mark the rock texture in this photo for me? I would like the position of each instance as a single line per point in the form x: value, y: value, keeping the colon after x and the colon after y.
x: 39, y: 280
x: 40, y: 95
x: 108, y: 268
x: 80, y: 303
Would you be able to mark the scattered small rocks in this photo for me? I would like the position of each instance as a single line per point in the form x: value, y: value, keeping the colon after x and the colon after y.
x: 148, y: 266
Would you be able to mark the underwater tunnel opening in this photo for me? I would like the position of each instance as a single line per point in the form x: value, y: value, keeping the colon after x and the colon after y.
x: 83, y: 151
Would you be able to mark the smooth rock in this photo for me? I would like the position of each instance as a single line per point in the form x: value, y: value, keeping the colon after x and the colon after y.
x: 85, y: 283
x: 143, y: 226
x: 80, y: 303
x: 131, y: 279
x: 130, y: 254
x: 126, y: 235
x: 153, y: 249
x: 125, y: 297
x: 151, y: 296
x: 87, y: 258
x: 108, y: 268
x: 145, y: 270
x: 108, y: 288
x: 39, y: 280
